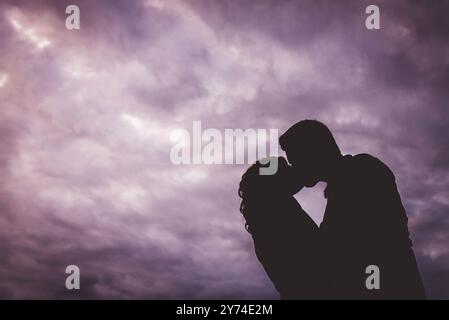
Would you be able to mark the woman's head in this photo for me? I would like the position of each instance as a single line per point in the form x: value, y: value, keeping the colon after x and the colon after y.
x: 256, y: 189
x: 255, y: 184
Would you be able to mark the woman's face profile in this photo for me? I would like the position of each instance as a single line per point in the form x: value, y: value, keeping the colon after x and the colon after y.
x: 283, y: 182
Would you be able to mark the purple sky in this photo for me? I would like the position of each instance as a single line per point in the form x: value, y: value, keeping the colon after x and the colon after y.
x: 86, y: 118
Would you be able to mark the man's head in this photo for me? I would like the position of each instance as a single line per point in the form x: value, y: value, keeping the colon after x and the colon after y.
x: 311, y: 149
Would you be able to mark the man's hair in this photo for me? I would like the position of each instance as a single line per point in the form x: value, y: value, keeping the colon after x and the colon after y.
x: 311, y: 133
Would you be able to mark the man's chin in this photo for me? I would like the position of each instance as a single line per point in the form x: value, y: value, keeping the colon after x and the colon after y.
x: 310, y: 184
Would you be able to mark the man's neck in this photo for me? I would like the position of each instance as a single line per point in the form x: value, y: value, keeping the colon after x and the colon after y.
x: 333, y: 169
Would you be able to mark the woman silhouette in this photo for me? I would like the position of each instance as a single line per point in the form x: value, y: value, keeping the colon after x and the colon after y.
x: 285, y: 237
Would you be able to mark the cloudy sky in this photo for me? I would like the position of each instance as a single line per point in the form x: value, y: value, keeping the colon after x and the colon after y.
x: 86, y: 117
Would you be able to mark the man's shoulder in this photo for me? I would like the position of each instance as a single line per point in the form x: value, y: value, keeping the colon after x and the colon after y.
x: 364, y: 165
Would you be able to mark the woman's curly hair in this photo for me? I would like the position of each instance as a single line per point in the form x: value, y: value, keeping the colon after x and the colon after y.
x: 254, y: 188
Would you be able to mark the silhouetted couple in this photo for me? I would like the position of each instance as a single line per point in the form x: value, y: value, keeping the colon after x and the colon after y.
x: 362, y: 249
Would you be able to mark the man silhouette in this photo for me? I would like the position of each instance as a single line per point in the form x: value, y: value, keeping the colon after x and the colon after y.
x: 364, y: 223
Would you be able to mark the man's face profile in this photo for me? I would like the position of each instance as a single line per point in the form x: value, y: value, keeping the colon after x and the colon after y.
x: 304, y: 163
